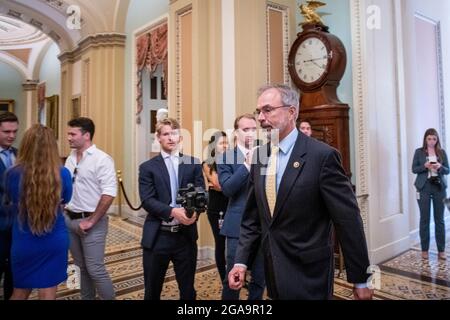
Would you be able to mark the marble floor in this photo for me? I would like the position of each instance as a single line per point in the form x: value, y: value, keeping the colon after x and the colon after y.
x: 406, y: 276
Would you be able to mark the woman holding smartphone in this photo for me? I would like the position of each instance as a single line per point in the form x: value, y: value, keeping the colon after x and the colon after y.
x: 430, y: 163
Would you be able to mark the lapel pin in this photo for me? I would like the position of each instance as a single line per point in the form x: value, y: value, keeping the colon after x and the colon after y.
x: 296, y: 164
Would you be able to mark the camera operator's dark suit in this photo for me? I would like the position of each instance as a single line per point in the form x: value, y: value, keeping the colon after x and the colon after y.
x: 160, y: 244
x: 5, y: 237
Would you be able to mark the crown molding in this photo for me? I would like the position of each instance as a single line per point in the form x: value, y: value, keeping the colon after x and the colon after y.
x: 93, y: 41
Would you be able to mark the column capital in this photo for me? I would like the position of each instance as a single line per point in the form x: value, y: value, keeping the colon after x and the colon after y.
x: 93, y: 41
x: 30, y: 85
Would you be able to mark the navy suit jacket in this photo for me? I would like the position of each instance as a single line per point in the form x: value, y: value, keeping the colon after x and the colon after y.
x: 154, y: 190
x: 420, y: 158
x: 5, y: 217
x: 297, y: 242
x: 233, y: 178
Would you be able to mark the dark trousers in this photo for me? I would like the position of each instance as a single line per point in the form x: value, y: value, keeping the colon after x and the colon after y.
x: 219, y: 240
x: 182, y: 251
x: 5, y: 263
x: 431, y: 192
x: 257, y: 282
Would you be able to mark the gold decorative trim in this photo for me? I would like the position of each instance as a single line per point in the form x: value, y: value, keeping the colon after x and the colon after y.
x: 286, y: 39
x: 178, y: 49
x: 86, y: 86
x: 93, y: 41
x: 362, y: 165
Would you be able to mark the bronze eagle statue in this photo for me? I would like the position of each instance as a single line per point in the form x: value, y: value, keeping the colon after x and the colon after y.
x: 309, y: 13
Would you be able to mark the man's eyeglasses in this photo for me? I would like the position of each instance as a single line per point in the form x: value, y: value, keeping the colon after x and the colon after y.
x: 266, y: 110
x: 74, y: 176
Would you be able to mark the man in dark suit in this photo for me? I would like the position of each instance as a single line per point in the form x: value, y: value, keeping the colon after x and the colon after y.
x: 297, y: 190
x: 9, y: 124
x: 233, y: 170
x: 169, y: 234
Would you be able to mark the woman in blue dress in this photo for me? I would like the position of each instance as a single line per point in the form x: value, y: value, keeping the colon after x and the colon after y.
x: 36, y: 189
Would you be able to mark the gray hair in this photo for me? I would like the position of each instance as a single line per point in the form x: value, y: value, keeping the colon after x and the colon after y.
x: 289, y: 97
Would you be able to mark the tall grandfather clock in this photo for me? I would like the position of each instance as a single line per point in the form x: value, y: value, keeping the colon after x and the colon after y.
x: 316, y: 63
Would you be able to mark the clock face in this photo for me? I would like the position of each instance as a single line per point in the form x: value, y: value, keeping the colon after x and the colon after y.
x: 311, y: 60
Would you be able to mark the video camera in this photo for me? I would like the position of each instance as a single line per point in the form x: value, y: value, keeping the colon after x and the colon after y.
x: 192, y: 199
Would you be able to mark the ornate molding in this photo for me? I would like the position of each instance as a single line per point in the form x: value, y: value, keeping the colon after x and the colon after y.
x: 361, y: 145
x: 93, y: 41
x: 30, y: 85
x: 286, y: 39
x: 179, y: 69
x: 441, y: 83
x: 59, y: 5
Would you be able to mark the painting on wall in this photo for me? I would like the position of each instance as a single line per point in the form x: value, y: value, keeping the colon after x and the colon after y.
x: 52, y: 115
x: 6, y: 105
x: 76, y: 107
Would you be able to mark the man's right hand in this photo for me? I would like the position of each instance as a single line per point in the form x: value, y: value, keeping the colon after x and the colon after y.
x: 236, y: 277
x: 180, y: 215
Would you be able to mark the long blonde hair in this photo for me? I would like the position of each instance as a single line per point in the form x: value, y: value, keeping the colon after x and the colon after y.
x: 41, y: 181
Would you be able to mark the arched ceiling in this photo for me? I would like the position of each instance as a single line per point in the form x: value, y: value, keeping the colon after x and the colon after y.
x: 16, y: 32
x: 26, y: 27
x: 50, y: 17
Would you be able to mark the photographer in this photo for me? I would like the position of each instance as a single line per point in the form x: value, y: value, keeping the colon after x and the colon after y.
x: 169, y: 234
x: 430, y: 163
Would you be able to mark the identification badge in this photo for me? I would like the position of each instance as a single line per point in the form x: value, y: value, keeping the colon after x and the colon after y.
x: 220, y: 221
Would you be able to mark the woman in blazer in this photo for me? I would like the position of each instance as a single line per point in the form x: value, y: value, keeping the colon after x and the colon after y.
x: 430, y: 163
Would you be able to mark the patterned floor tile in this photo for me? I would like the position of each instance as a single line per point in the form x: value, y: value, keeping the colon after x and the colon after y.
x: 406, y: 276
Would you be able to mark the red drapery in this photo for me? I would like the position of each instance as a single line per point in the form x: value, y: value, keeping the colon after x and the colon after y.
x: 151, y: 50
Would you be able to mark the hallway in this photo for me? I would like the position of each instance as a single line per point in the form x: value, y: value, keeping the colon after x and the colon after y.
x: 406, y: 276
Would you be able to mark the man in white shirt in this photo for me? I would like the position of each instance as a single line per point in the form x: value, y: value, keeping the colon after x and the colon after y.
x: 94, y: 189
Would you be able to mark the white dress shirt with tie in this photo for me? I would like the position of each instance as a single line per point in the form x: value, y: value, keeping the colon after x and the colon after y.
x: 172, y: 162
x: 12, y: 158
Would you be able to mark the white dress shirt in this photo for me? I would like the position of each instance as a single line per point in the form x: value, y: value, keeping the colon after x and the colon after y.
x: 175, y: 159
x: 13, y: 157
x: 245, y: 152
x: 95, y: 176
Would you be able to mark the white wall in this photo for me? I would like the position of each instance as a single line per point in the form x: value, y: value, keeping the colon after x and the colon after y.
x: 140, y: 13
x: 11, y: 88
x: 390, y: 115
x: 423, y: 109
x: 50, y: 71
